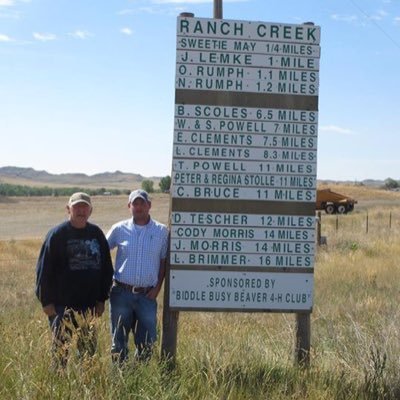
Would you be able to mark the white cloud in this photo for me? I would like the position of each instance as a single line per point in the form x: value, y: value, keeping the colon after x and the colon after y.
x: 10, y: 13
x: 336, y: 129
x: 397, y: 20
x: 5, y: 38
x: 181, y: 1
x: 379, y: 15
x: 168, y: 7
x: 150, y: 10
x: 126, y: 31
x: 193, y: 1
x: 127, y: 11
x: 78, y: 34
x: 6, y: 3
x: 44, y: 37
x: 344, y: 18
x: 10, y: 3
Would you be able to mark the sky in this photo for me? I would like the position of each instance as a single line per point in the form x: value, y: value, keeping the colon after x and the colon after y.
x: 88, y: 85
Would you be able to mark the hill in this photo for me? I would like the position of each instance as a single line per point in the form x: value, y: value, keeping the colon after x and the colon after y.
x: 110, y: 180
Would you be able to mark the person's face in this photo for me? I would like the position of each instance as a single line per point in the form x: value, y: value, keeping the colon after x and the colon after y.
x: 79, y: 214
x: 140, y: 211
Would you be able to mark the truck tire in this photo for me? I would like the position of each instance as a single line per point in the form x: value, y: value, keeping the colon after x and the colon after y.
x: 341, y: 209
x: 330, y: 209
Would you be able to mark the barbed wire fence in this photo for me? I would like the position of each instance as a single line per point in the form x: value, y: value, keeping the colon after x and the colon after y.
x: 370, y: 223
x: 365, y: 223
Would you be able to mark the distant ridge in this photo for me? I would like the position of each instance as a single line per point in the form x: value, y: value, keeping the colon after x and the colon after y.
x: 111, y: 180
x: 366, y: 182
x: 27, y: 176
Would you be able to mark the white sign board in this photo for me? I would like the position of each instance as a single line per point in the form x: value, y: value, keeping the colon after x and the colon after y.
x: 241, y: 290
x: 244, y: 164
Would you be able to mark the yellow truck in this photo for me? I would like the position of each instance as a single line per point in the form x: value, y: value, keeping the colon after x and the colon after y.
x: 333, y: 202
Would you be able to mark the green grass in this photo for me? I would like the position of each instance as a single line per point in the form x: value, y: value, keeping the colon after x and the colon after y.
x: 355, y: 334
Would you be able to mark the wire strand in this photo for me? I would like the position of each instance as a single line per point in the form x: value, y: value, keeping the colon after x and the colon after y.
x: 397, y: 44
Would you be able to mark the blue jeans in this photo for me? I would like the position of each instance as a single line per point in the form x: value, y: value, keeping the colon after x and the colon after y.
x: 128, y: 309
x: 64, y: 326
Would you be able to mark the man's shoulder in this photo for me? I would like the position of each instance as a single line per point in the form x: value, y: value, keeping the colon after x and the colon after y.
x: 57, y: 232
x: 122, y: 224
x: 158, y: 226
x: 58, y: 229
x: 94, y: 228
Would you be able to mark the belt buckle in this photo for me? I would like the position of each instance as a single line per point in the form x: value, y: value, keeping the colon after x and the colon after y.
x: 134, y: 290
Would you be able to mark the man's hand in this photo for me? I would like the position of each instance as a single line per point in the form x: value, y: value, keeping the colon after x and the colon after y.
x: 49, y: 310
x: 99, y: 308
x: 153, y: 293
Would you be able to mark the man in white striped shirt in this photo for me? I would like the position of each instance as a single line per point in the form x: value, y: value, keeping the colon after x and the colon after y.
x: 142, y: 245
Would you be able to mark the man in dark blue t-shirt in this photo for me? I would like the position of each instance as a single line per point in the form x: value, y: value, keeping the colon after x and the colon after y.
x: 73, y: 278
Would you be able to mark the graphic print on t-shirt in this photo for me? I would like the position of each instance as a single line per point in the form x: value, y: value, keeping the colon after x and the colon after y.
x: 83, y: 254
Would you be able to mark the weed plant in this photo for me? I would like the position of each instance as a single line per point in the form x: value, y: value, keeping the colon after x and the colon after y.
x: 355, y: 335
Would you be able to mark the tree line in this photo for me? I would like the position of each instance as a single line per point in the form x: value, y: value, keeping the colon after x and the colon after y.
x: 391, y: 184
x: 11, y: 190
x: 8, y: 189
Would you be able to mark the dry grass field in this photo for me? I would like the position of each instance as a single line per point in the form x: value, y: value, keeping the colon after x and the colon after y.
x: 355, y: 324
x: 111, y: 180
x: 32, y: 217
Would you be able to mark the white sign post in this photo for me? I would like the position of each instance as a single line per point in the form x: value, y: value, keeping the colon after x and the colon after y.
x: 244, y: 166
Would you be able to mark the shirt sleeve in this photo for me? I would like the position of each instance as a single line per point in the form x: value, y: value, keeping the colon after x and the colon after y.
x: 111, y: 237
x: 107, y: 269
x: 164, y: 249
x: 45, y: 272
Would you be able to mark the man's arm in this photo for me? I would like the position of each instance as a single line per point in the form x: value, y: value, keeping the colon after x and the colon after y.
x: 107, y: 274
x: 164, y: 254
x: 110, y: 237
x: 153, y: 292
x: 45, y: 278
x: 99, y: 308
x: 49, y: 310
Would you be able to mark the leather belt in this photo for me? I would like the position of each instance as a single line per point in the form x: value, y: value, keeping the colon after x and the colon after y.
x: 131, y: 288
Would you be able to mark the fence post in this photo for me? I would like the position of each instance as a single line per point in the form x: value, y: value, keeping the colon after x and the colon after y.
x: 319, y: 228
x: 217, y: 9
x: 366, y: 224
x: 303, y: 339
x: 390, y: 220
x: 169, y: 326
